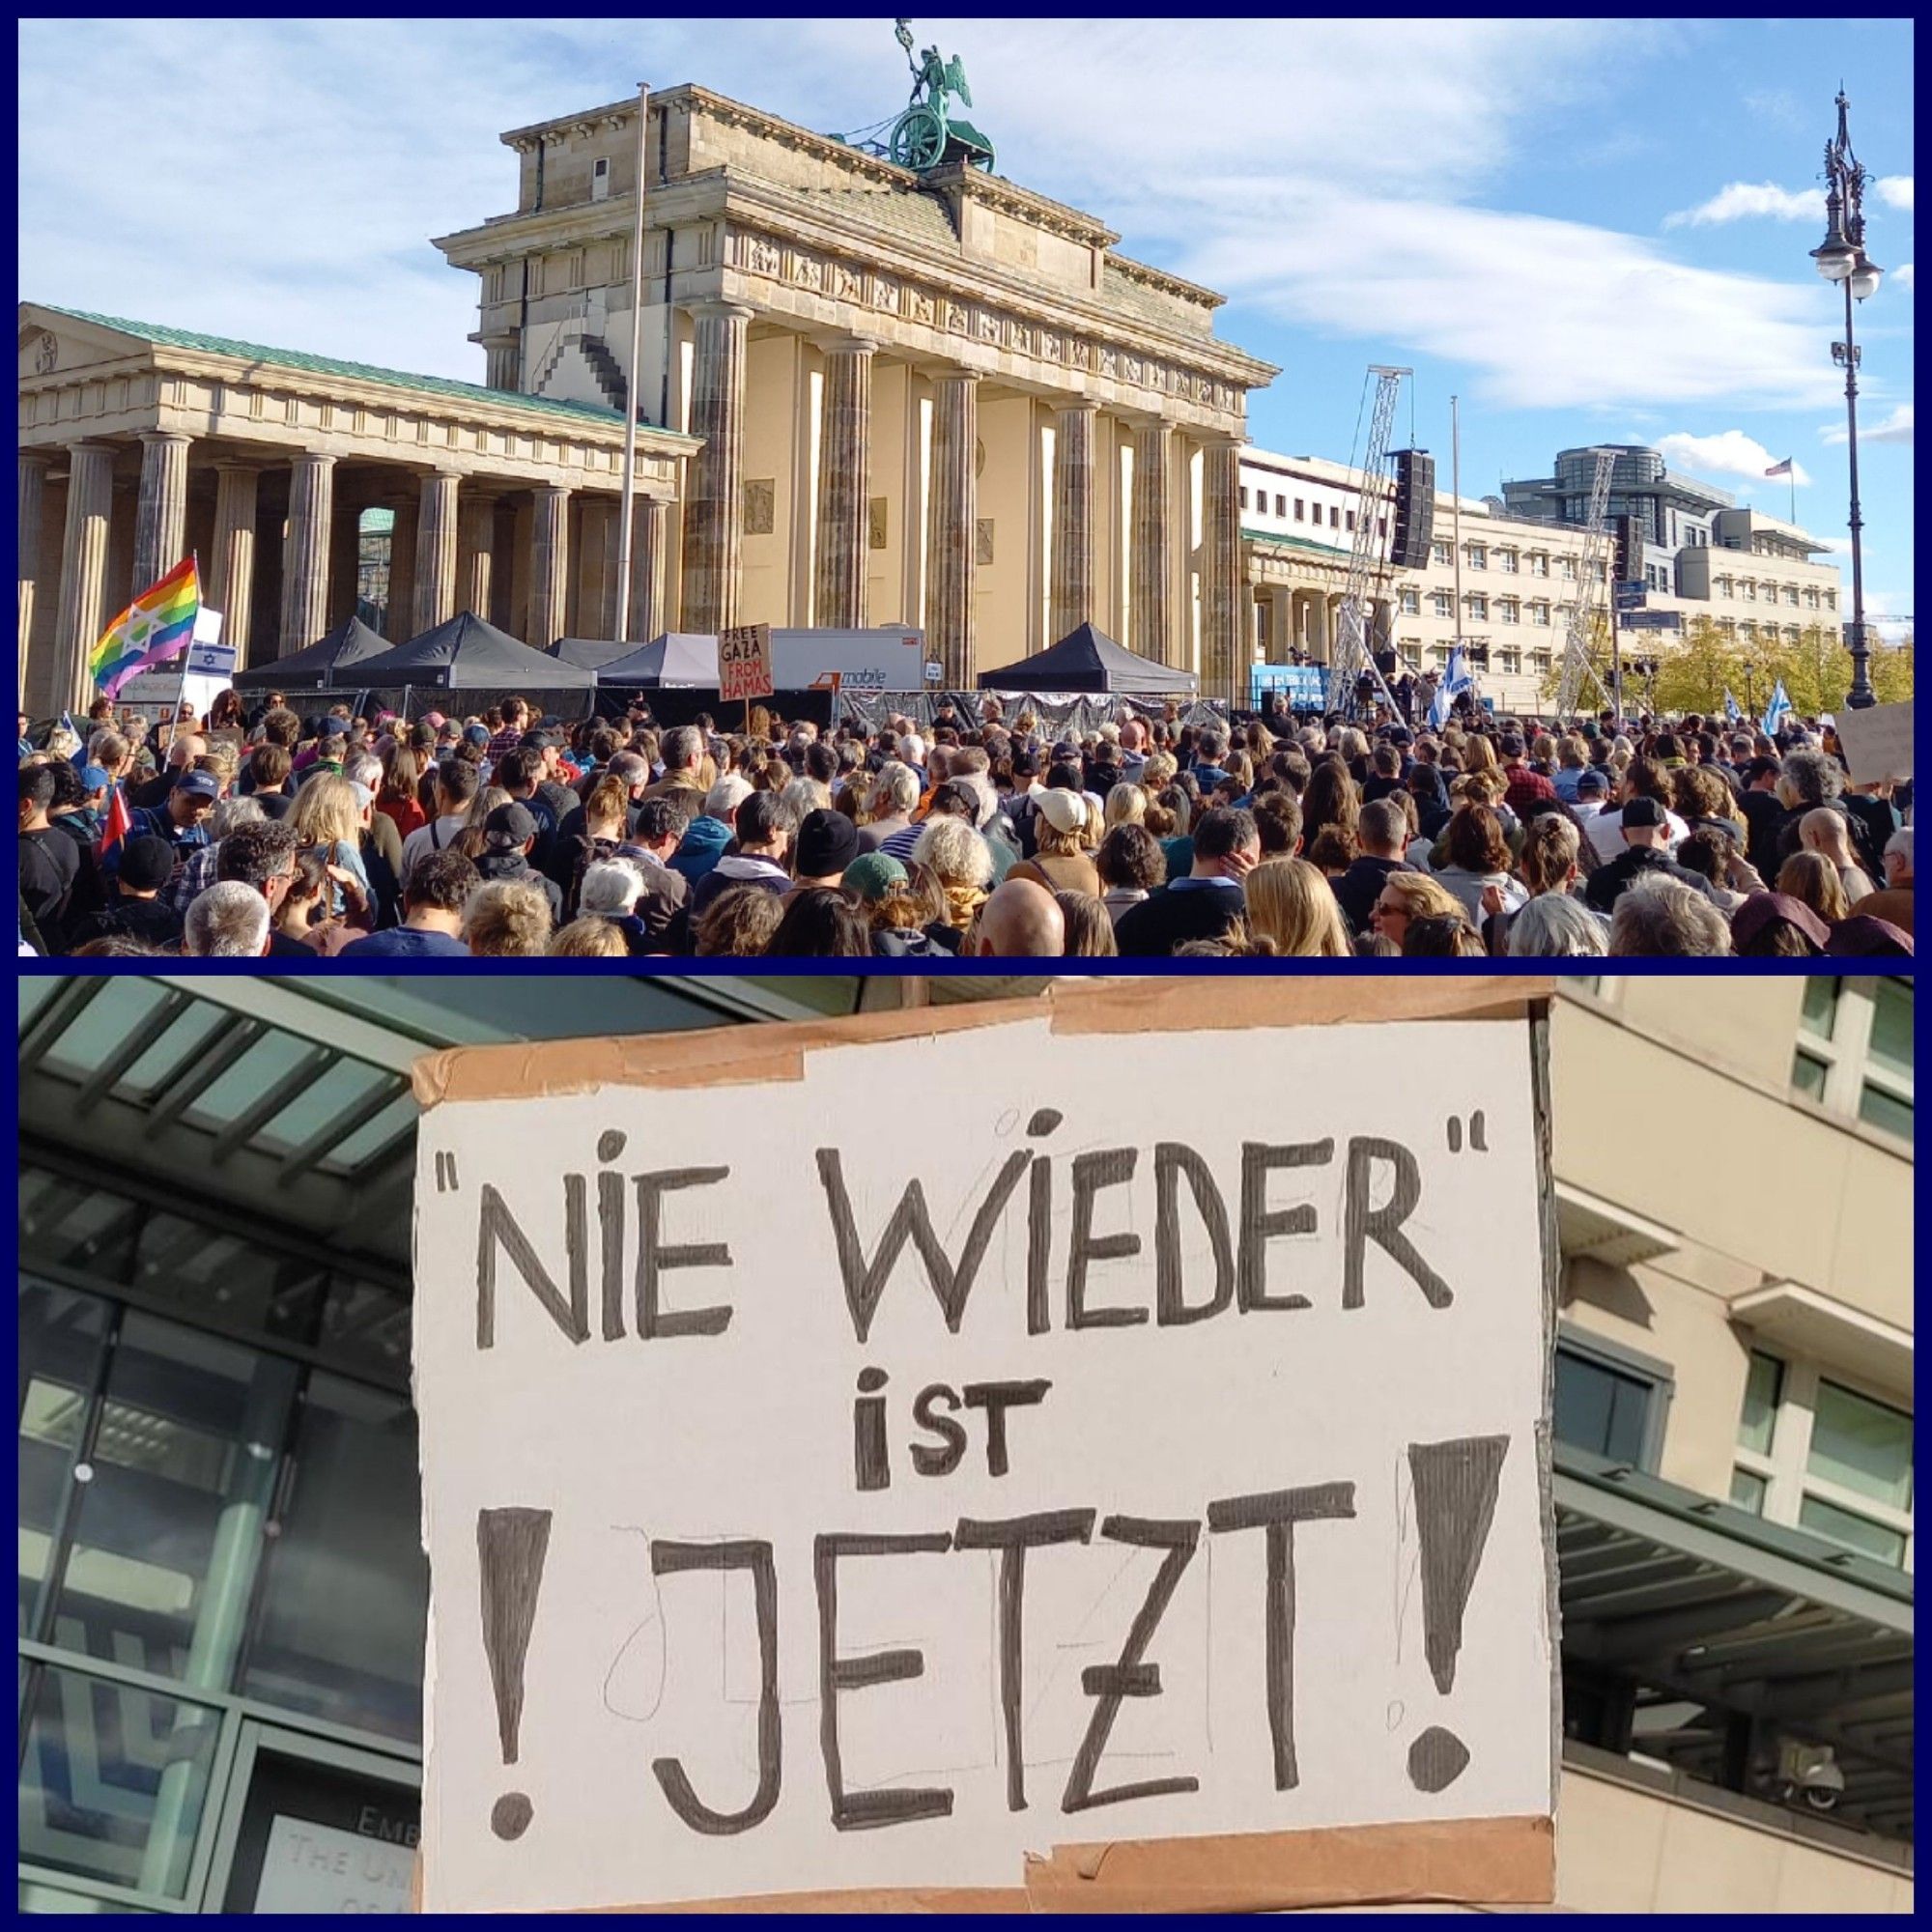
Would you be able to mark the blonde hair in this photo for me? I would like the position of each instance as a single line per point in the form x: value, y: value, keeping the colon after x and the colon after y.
x: 1290, y: 902
x: 1813, y: 879
x: 592, y: 937
x: 1425, y: 897
x: 1126, y: 805
x: 325, y: 813
x: 955, y: 852
x: 506, y: 920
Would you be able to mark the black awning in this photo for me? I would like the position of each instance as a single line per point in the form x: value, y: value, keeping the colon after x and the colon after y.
x: 1088, y: 660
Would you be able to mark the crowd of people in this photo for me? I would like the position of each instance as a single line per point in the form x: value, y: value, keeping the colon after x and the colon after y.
x: 274, y: 834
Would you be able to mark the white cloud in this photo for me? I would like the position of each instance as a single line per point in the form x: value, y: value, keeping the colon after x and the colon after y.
x: 1895, y: 190
x: 1729, y: 453
x: 299, y: 215
x: 1902, y: 275
x: 1745, y: 201
x: 1895, y: 427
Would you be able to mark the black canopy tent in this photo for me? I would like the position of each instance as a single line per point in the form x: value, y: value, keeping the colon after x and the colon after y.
x: 1088, y: 660
x: 351, y: 642
x: 591, y: 653
x: 476, y: 664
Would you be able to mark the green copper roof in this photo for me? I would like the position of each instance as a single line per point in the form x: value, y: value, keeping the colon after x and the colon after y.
x: 325, y: 366
x: 1293, y: 543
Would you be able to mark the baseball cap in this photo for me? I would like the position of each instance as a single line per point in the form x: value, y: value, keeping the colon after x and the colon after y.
x: 147, y: 863
x: 433, y: 719
x: 476, y: 734
x: 202, y: 785
x: 873, y: 874
x: 1064, y: 810
x: 828, y: 842
x: 1642, y: 811
x: 1591, y: 782
x: 94, y: 778
x: 508, y: 826
x: 334, y: 728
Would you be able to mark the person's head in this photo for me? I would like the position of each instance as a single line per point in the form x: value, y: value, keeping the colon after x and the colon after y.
x: 682, y: 749
x: 1648, y: 778
x: 39, y: 785
x: 1227, y: 843
x: 1090, y: 930
x: 147, y: 864
x: 230, y: 814
x: 1572, y: 753
x: 723, y: 800
x: 509, y: 830
x: 1020, y: 920
x: 1709, y: 852
x: 1278, y: 824
x: 1814, y: 880
x: 765, y: 825
x: 737, y: 923
x: 437, y: 891
x: 518, y: 771
x: 589, y: 937
x: 1659, y: 917
x: 607, y: 806
x: 819, y: 922
x: 183, y: 749
x: 269, y: 767
x: 1897, y: 858
x: 262, y: 855
x: 1761, y: 774
x: 506, y: 919
x: 1700, y: 792
x: 229, y: 920
x: 661, y: 823
x: 1828, y: 833
x: 1474, y: 840
x: 1556, y: 926
x: 1381, y: 831
x: 957, y: 856
x: 1809, y: 778
x: 1130, y: 860
x: 827, y: 842
x: 1290, y: 902
x: 193, y: 797
x: 612, y: 887
x: 1410, y: 896
x: 1441, y: 936
x: 895, y: 791
x: 1644, y: 823
x: 1060, y: 821
x: 1549, y: 849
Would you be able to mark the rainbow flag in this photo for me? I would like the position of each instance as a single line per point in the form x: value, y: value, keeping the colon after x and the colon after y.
x: 157, y: 625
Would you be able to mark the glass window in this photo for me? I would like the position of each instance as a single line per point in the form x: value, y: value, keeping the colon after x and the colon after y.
x: 166, y: 1523
x: 1244, y: 499
x: 1411, y: 604
x: 1352, y: 520
x: 1748, y: 1491
x: 1334, y: 516
x: 1600, y: 1409
x: 1855, y: 1532
x: 62, y: 1336
x: 346, y: 1587
x: 1479, y: 606
x: 113, y: 1780
x: 1764, y: 1390
x: 1478, y: 555
x: 1886, y: 1110
x: 1861, y: 1445
x: 69, y: 1224
x: 1441, y: 604
x: 1281, y: 506
x: 1300, y: 504
x: 1890, y: 1048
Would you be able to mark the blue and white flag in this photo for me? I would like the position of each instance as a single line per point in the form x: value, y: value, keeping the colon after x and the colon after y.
x: 1455, y: 681
x: 1732, y: 714
x: 1776, y: 711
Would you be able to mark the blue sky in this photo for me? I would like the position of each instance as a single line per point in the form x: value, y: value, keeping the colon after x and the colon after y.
x: 1588, y: 229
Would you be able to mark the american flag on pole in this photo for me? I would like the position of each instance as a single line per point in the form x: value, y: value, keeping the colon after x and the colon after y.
x: 1780, y: 468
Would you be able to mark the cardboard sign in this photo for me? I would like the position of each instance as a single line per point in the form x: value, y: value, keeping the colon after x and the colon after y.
x: 1104, y: 1484
x: 745, y: 662
x: 1877, y: 741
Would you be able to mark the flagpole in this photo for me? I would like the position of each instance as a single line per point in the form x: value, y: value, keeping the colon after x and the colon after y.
x: 188, y: 650
x: 628, y: 504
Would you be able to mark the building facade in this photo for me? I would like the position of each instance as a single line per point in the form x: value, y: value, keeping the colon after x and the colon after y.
x: 141, y: 444
x: 937, y: 399
x: 222, y: 1593
x: 1703, y: 556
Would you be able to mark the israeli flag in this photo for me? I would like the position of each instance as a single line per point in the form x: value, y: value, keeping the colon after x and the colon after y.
x: 1776, y: 711
x: 1732, y: 714
x: 1455, y: 681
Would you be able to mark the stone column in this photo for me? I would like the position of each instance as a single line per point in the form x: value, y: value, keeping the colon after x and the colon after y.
x: 475, y: 553
x: 951, y: 509
x: 1223, y: 634
x: 305, y: 552
x: 845, y: 448
x: 1070, y: 600
x: 550, y: 565
x: 34, y: 467
x: 1281, y: 625
x: 162, y: 521
x: 1151, y: 576
x: 436, y: 552
x: 597, y: 567
x: 400, y: 595
x: 650, y: 532
x: 1321, y: 610
x: 230, y: 583
x: 83, y: 587
x: 713, y: 483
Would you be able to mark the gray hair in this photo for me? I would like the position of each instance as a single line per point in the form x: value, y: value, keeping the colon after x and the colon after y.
x: 612, y: 887
x: 229, y: 920
x: 365, y: 768
x: 234, y: 812
x: 895, y: 786
x: 1552, y: 925
x: 1658, y: 918
x: 953, y: 850
x: 1900, y: 842
x: 1812, y: 777
x: 804, y: 796
x: 683, y: 746
x: 1383, y: 824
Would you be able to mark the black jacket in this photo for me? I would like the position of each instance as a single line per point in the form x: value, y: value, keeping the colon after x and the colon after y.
x: 1172, y: 917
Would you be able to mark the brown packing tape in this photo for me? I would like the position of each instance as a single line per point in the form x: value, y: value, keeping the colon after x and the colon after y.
x: 1473, y: 1861
x: 750, y: 1055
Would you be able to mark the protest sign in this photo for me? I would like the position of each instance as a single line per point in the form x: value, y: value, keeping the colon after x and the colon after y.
x: 1084, y: 1453
x: 1877, y: 741
x: 745, y: 663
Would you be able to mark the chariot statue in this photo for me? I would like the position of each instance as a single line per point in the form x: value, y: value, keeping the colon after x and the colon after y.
x: 927, y: 135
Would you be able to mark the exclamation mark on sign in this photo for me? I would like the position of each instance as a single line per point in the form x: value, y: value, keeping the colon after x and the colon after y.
x: 510, y: 1546
x: 1455, y: 1483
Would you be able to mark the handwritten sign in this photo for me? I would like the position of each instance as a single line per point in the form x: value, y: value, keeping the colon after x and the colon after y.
x: 745, y: 662
x: 1877, y: 741
x: 820, y: 1503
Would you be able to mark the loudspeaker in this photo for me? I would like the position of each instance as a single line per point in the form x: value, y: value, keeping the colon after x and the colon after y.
x: 1414, y: 509
x: 1627, y: 534
x: 1385, y: 662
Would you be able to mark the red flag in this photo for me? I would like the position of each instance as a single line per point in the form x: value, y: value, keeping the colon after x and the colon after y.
x: 120, y: 821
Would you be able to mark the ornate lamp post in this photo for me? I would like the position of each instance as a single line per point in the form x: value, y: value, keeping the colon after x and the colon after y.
x: 1842, y: 258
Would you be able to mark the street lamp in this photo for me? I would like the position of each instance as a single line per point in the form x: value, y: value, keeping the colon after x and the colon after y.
x: 1841, y: 258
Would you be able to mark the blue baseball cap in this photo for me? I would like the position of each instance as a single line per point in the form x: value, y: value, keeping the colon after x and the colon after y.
x: 202, y: 785
x: 95, y: 778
